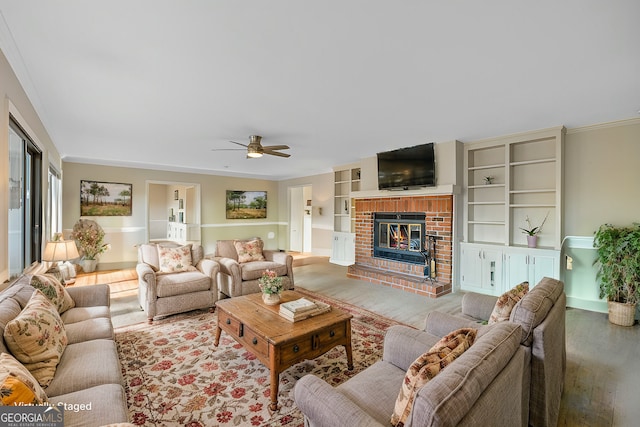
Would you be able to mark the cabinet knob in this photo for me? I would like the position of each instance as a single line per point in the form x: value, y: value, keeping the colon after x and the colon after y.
x: 228, y: 321
x: 255, y: 341
x: 332, y: 333
x: 296, y: 348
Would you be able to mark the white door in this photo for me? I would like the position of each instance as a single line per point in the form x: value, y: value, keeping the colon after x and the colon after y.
x: 296, y: 223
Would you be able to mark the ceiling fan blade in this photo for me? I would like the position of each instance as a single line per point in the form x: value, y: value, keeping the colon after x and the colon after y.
x: 276, y: 147
x: 276, y: 153
x: 238, y: 143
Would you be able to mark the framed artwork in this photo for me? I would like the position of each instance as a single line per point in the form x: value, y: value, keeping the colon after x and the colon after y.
x: 105, y: 198
x: 176, y: 195
x: 246, y: 204
x: 181, y: 204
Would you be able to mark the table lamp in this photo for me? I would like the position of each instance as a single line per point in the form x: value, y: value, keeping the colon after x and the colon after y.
x: 60, y: 251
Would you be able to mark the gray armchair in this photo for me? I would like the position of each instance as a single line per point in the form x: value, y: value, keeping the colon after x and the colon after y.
x: 482, y: 387
x: 241, y: 278
x: 162, y: 294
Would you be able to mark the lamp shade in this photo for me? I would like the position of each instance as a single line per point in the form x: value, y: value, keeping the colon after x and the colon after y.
x: 60, y: 250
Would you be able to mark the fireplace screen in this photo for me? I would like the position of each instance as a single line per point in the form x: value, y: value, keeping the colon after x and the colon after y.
x: 405, y: 237
x: 399, y: 236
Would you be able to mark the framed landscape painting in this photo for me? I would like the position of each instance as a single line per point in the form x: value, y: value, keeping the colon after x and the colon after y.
x: 246, y: 204
x: 105, y: 198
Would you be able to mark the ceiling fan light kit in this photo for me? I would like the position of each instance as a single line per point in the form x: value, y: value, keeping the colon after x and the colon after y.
x: 255, y: 148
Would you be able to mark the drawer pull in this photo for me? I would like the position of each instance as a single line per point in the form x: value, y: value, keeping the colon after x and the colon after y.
x: 332, y: 333
x: 296, y: 348
x: 255, y: 341
x: 228, y: 321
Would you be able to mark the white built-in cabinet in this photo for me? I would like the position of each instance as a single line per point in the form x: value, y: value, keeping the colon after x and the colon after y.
x: 493, y: 269
x: 508, y: 179
x: 346, y: 180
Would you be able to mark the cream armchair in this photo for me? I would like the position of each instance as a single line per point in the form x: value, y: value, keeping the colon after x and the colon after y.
x: 163, y: 290
x: 239, y: 273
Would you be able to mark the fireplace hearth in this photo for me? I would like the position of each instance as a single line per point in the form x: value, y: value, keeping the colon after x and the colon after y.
x: 405, y: 243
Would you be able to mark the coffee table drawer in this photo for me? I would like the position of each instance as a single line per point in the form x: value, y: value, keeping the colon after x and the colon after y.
x: 230, y: 324
x: 313, y: 344
x: 254, y: 343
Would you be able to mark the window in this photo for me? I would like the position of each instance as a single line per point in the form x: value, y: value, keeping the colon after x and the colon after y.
x: 25, y: 200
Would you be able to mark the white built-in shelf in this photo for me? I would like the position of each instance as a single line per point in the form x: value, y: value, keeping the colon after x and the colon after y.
x: 539, y: 190
x: 486, y: 186
x: 532, y: 162
x: 477, y: 168
x: 495, y: 202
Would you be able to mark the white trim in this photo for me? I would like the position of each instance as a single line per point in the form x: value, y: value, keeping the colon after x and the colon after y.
x: 243, y: 224
x: 606, y: 125
x: 578, y: 242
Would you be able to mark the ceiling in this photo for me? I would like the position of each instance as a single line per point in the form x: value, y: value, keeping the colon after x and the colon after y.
x: 158, y: 84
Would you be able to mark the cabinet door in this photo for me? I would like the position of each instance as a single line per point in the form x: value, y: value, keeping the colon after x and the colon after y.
x: 541, y: 266
x: 517, y: 270
x: 492, y: 271
x: 471, y: 267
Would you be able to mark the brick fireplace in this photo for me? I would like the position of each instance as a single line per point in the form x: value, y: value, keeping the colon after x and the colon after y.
x: 408, y: 276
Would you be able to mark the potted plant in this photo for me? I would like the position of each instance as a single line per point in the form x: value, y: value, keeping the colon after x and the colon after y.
x: 618, y: 262
x: 532, y: 232
x: 89, y: 237
x: 271, y: 286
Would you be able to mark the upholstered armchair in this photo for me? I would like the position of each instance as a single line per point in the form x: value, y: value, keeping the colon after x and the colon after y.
x: 175, y: 279
x: 242, y: 263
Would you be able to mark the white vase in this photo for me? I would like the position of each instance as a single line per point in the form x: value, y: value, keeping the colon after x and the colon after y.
x: 89, y: 265
x: 271, y: 299
x: 532, y: 241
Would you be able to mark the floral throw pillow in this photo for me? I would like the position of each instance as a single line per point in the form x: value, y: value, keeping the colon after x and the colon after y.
x: 37, y: 338
x: 427, y: 366
x: 506, y: 302
x: 17, y: 385
x: 174, y: 260
x: 53, y: 289
x: 250, y: 250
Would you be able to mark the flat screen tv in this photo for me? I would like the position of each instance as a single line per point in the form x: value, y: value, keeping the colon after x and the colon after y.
x: 407, y: 167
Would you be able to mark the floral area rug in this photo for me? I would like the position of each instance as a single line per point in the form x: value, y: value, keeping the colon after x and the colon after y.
x: 175, y: 376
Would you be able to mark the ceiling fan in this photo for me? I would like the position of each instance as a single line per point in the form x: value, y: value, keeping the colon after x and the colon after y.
x: 255, y: 148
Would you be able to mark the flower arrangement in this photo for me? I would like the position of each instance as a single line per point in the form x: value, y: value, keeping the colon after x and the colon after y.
x: 489, y: 179
x: 89, y: 237
x: 532, y: 231
x: 270, y: 283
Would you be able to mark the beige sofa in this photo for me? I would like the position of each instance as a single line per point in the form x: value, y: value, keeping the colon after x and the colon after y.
x: 88, y: 372
x: 165, y: 293
x: 241, y: 278
x: 482, y: 387
x: 541, y: 315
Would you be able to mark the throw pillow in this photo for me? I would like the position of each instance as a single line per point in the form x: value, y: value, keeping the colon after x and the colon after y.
x: 250, y: 250
x: 17, y: 385
x: 37, y: 338
x: 427, y: 366
x: 506, y: 302
x: 174, y: 260
x: 53, y: 289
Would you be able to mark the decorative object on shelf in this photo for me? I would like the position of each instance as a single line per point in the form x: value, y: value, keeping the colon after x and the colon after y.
x: 532, y: 232
x: 89, y: 238
x: 181, y: 204
x: 488, y: 180
x: 246, y: 204
x: 271, y: 286
x: 346, y: 207
x: 618, y: 274
x: 176, y: 195
x: 105, y: 198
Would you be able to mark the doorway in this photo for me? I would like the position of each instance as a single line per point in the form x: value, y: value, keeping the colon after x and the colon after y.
x: 173, y: 212
x: 300, y: 219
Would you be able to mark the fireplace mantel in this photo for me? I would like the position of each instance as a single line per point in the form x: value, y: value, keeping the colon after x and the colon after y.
x: 440, y: 190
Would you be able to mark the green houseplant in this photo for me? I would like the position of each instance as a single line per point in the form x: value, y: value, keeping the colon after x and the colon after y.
x: 618, y: 274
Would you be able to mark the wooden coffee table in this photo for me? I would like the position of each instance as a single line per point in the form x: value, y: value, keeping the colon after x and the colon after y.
x: 278, y: 342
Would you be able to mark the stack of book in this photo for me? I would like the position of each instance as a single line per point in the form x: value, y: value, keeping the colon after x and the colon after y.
x: 302, y: 308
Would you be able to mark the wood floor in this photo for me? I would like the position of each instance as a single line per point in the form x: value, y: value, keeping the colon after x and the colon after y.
x: 603, y: 360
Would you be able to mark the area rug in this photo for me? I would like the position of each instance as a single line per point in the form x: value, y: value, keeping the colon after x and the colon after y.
x: 175, y: 376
